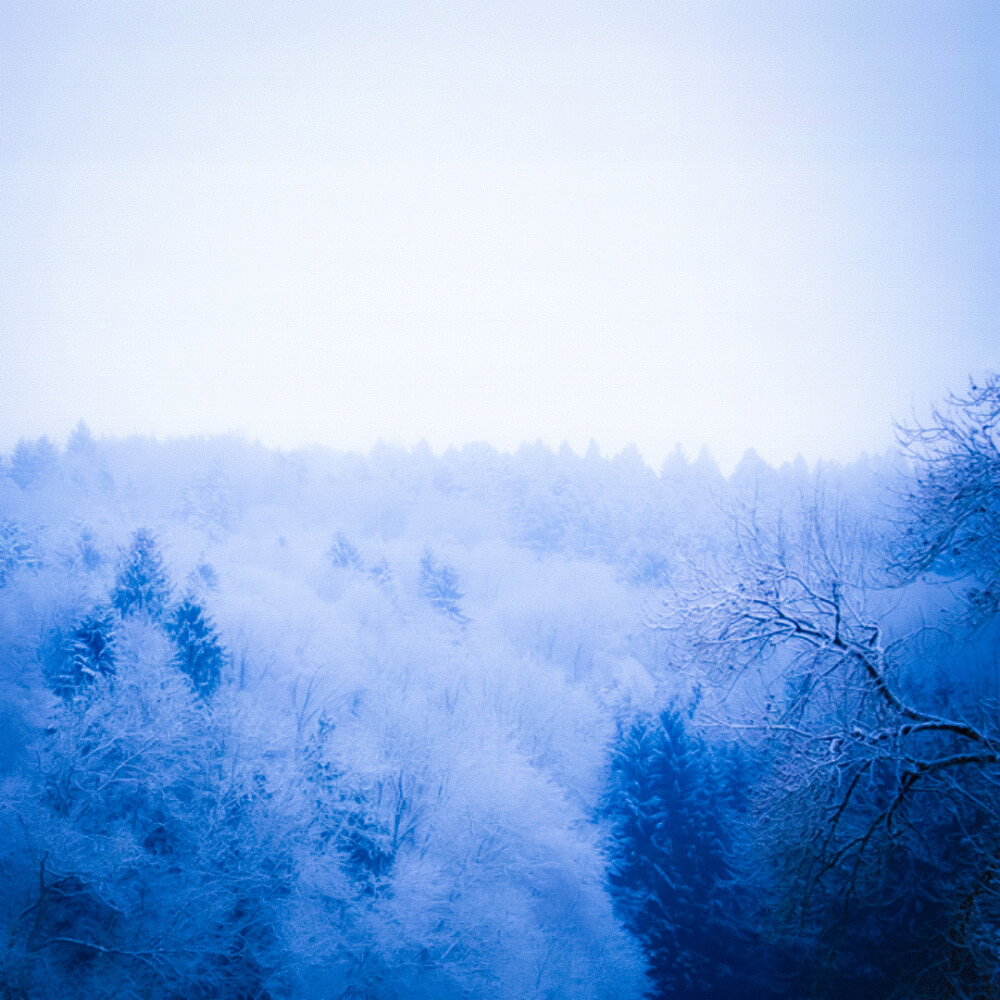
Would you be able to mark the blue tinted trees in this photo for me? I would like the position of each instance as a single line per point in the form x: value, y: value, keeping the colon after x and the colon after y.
x: 17, y: 550
x: 141, y: 583
x: 33, y: 462
x: 951, y: 503
x: 882, y: 802
x: 342, y: 553
x: 86, y: 653
x: 439, y: 583
x: 668, y: 864
x: 199, y: 651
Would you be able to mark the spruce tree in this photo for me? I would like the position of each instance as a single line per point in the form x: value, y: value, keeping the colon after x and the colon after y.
x: 16, y: 550
x: 199, y: 651
x: 141, y: 584
x: 381, y: 572
x: 347, y: 823
x: 439, y: 582
x: 668, y: 868
x: 86, y: 654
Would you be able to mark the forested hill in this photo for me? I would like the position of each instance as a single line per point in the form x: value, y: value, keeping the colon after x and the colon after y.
x: 612, y: 510
x: 308, y: 724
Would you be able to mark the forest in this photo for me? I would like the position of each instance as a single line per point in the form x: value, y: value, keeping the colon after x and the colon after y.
x: 309, y: 724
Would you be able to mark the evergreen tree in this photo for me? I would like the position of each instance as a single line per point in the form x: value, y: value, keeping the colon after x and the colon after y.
x: 347, y: 823
x: 439, y: 582
x: 87, y: 552
x: 141, y: 584
x: 81, y: 440
x: 199, y: 651
x: 16, y: 550
x: 87, y: 653
x: 208, y: 504
x: 33, y: 462
x: 342, y: 553
x: 668, y: 867
x: 203, y: 575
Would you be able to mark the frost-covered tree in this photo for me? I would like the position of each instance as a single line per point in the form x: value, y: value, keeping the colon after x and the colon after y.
x: 139, y: 867
x: 346, y: 824
x: 81, y: 440
x: 208, y: 504
x: 141, y: 583
x: 87, y: 552
x: 342, y: 553
x: 381, y: 573
x: 199, y: 650
x: 33, y: 462
x: 668, y: 859
x: 17, y: 550
x: 950, y: 506
x: 881, y: 797
x: 439, y: 583
x: 87, y: 652
x: 203, y: 576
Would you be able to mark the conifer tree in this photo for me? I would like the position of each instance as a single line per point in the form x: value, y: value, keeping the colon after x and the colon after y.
x: 33, y: 462
x: 87, y: 552
x: 16, y: 550
x: 88, y: 652
x: 199, y: 651
x: 668, y: 868
x: 141, y: 584
x: 439, y: 582
x: 81, y: 440
x: 381, y: 572
x: 347, y: 823
x: 342, y: 553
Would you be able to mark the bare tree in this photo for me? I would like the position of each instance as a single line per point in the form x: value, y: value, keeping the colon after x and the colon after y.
x: 951, y: 505
x: 880, y: 803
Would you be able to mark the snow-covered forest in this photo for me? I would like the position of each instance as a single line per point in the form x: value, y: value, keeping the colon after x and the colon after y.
x: 484, y: 725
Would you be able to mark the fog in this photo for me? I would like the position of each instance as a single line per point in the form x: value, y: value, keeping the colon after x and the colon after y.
x: 741, y: 225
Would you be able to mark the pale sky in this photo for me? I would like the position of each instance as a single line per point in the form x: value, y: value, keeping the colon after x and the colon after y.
x: 766, y: 224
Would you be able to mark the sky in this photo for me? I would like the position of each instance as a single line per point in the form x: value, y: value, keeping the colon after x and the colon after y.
x: 726, y: 224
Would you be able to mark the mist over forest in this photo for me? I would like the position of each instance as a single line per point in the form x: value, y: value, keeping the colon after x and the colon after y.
x: 307, y: 724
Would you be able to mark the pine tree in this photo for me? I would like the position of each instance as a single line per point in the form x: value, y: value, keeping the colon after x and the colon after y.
x: 87, y: 551
x: 439, y: 582
x: 199, y: 651
x: 208, y: 504
x: 81, y: 440
x: 141, y: 584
